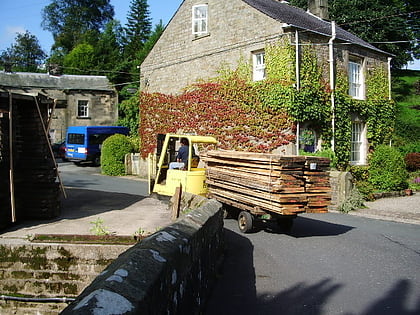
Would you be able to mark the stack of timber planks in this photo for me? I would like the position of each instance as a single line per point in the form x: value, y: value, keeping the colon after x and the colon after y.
x: 262, y: 183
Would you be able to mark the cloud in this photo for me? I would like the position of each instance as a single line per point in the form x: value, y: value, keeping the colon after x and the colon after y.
x: 8, y: 35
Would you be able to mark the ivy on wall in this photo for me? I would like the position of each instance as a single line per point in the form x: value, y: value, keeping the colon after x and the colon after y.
x: 260, y: 116
x: 216, y: 109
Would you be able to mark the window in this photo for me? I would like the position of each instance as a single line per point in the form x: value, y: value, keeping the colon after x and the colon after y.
x: 307, y: 140
x: 258, y: 66
x: 83, y: 109
x: 356, y: 79
x: 199, y: 19
x: 358, y: 141
x: 76, y: 138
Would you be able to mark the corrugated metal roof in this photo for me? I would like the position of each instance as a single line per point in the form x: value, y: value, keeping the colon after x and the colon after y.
x: 299, y: 18
x: 46, y: 81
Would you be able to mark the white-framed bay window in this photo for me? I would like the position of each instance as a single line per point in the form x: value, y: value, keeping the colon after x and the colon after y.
x: 200, y: 19
x: 83, y: 109
x: 359, y: 144
x: 258, y: 65
x: 356, y: 78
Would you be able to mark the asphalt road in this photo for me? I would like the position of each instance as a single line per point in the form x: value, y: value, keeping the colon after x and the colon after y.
x: 329, y: 264
x: 88, y: 177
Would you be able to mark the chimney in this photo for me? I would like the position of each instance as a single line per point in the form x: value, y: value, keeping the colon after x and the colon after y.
x: 319, y: 8
x: 8, y: 67
x: 55, y: 69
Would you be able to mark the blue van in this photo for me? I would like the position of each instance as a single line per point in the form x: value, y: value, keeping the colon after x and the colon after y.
x: 83, y: 143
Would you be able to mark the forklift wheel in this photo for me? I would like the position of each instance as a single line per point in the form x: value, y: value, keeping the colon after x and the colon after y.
x: 245, y: 222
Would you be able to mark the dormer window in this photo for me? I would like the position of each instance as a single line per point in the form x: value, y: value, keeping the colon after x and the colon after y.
x: 200, y: 19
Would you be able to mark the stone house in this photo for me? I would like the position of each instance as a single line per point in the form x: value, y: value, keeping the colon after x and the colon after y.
x: 80, y: 100
x: 205, y: 35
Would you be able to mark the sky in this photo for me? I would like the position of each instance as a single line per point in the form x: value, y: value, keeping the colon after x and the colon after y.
x: 17, y: 16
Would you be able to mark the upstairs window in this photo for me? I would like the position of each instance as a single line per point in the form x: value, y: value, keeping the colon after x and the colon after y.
x: 356, y: 84
x: 258, y: 66
x: 200, y: 19
x: 83, y: 109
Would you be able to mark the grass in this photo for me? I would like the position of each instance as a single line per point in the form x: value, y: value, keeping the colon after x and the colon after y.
x: 408, y: 106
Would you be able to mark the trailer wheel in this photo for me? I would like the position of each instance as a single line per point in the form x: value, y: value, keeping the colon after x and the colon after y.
x: 245, y: 222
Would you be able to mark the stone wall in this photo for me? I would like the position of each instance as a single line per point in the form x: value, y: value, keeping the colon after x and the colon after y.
x: 49, y: 270
x: 341, y: 187
x: 170, y: 272
x: 180, y: 58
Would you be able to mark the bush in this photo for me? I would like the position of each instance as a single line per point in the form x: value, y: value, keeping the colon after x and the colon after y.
x: 353, y: 202
x: 412, y: 160
x: 113, y: 153
x: 387, y: 169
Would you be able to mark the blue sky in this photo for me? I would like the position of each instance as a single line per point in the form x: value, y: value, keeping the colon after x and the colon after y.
x: 17, y: 16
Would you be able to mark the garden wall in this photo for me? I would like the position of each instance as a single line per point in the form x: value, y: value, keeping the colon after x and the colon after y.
x: 170, y: 272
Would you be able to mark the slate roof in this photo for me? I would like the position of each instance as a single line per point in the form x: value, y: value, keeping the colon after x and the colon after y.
x: 301, y: 19
x: 46, y: 81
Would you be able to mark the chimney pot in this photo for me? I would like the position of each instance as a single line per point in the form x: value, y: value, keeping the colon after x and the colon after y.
x: 319, y: 8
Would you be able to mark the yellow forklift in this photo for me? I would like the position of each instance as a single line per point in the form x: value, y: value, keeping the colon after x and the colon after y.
x: 163, y: 180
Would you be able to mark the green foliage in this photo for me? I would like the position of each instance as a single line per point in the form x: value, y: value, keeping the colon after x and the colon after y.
x: 353, y: 202
x: 24, y: 55
x: 387, y: 169
x: 280, y: 62
x: 98, y: 227
x: 138, y: 27
x: 80, y: 60
x: 70, y: 21
x: 394, y: 25
x: 407, y: 125
x: 113, y: 152
x: 129, y: 114
x: 414, y: 181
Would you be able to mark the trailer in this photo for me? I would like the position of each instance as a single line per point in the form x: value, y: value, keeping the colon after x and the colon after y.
x: 251, y: 186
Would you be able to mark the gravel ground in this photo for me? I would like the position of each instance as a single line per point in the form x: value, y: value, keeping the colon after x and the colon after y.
x: 400, y: 209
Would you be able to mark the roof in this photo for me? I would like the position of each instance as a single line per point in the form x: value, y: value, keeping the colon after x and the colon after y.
x: 301, y: 19
x: 47, y: 81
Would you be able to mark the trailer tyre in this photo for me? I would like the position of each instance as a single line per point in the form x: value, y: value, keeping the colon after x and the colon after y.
x: 245, y: 222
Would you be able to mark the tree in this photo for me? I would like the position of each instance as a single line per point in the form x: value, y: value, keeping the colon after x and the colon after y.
x: 392, y: 26
x: 25, y: 54
x: 108, y: 49
x: 81, y: 60
x: 71, y: 20
x: 138, y: 27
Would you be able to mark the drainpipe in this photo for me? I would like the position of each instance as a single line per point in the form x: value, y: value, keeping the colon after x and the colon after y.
x: 389, y: 78
x: 332, y: 81
x: 11, y: 168
x: 297, y: 86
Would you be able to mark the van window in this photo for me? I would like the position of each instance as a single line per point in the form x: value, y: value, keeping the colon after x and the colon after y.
x: 76, y: 138
x: 98, y: 138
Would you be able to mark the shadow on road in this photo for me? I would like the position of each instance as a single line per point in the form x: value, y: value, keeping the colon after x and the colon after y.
x: 395, y: 301
x: 304, y: 227
x: 235, y: 292
x: 81, y: 203
x: 84, y: 202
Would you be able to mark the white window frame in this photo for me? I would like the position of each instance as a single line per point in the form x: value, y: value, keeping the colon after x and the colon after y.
x: 83, y: 108
x: 358, y: 152
x: 258, y: 66
x: 356, y: 79
x: 200, y: 14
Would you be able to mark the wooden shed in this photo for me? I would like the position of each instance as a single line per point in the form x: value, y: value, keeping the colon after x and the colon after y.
x: 29, y: 181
